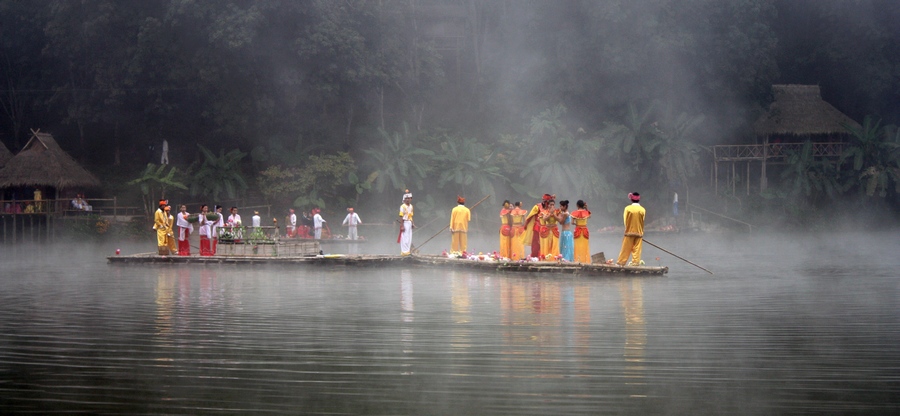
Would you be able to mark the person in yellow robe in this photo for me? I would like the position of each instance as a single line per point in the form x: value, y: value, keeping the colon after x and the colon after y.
x: 163, y: 228
x: 170, y: 237
x: 634, y: 231
x: 549, y: 230
x: 459, y: 226
x: 506, y: 234
x: 582, y: 246
x: 533, y: 226
x: 517, y: 243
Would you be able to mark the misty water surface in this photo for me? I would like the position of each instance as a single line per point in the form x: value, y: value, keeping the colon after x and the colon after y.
x: 800, y: 324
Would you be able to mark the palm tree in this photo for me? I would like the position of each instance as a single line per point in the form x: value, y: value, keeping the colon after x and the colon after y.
x: 876, y: 159
x: 467, y: 163
x: 219, y: 174
x: 399, y: 162
x: 555, y: 158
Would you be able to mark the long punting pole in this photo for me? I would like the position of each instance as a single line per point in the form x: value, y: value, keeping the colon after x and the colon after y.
x: 680, y: 258
x: 416, y: 249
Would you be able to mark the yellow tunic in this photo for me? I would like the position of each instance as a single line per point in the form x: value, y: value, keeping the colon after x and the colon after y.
x: 517, y: 246
x: 161, y: 225
x: 550, y: 241
x: 506, y: 233
x: 582, y: 236
x: 459, y: 228
x: 634, y: 233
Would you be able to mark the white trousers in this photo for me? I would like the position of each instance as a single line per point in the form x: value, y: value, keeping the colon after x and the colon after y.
x: 406, y: 238
x: 319, y: 233
x: 351, y: 232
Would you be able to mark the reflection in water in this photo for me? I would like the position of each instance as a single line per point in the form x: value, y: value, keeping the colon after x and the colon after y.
x: 461, y: 308
x: 165, y: 302
x: 85, y: 337
x: 635, y: 331
x: 407, y: 311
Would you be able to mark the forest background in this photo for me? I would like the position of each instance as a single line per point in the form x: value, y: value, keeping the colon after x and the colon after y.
x: 348, y: 103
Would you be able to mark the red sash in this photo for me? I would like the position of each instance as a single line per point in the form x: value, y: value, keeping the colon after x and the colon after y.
x: 555, y: 231
x: 505, y: 230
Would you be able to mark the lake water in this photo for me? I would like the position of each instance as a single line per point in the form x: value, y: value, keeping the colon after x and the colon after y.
x: 789, y: 324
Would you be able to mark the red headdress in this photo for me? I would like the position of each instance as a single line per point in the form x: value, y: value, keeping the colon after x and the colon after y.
x: 460, y: 200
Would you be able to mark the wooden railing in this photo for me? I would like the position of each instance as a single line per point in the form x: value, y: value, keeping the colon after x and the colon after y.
x: 744, y: 152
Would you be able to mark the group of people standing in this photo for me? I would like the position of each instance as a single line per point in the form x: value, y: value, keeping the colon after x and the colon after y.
x: 314, y: 221
x: 173, y: 232
x: 551, y: 232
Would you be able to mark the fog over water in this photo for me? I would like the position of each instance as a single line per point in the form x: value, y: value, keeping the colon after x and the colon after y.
x: 789, y: 323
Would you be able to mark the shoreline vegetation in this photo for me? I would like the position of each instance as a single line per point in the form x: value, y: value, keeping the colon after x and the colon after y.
x: 270, y: 104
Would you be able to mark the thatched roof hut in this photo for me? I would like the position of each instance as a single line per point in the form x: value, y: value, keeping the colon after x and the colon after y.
x: 5, y: 154
x: 799, y: 110
x: 43, y: 163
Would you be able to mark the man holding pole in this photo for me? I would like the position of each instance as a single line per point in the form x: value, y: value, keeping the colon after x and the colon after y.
x: 634, y: 231
x: 459, y: 226
x: 406, y: 224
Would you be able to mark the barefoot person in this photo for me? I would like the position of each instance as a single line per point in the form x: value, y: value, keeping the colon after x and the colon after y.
x: 634, y: 231
x: 581, y: 234
x: 406, y: 225
x: 459, y: 226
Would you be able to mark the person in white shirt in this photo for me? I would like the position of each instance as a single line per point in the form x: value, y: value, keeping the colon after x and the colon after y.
x: 406, y: 225
x: 351, y: 221
x: 292, y: 225
x: 184, y: 232
x: 206, y: 231
x: 318, y: 221
x: 256, y: 219
x: 234, y: 223
x: 220, y: 223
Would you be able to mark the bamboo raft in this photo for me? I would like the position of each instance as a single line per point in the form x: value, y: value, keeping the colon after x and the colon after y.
x: 414, y: 261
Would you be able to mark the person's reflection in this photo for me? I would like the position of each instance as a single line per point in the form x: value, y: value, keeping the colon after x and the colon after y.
x: 461, y: 308
x: 635, y: 330
x: 165, y: 301
x: 407, y: 311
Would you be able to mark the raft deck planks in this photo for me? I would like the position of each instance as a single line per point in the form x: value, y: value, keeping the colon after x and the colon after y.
x: 389, y: 261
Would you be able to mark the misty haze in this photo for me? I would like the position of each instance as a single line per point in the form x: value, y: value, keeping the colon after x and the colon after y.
x: 761, y: 136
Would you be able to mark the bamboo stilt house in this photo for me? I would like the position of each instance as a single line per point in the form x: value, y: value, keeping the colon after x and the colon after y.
x: 799, y: 111
x: 797, y: 114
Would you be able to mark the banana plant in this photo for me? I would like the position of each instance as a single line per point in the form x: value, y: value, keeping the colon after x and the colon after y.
x: 155, y: 179
x: 399, y: 161
x: 219, y: 174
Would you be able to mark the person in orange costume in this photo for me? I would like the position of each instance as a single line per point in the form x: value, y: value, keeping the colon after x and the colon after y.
x: 533, y: 226
x: 459, y: 226
x: 549, y: 230
x: 582, y: 245
x: 634, y: 231
x: 517, y: 244
x: 506, y: 234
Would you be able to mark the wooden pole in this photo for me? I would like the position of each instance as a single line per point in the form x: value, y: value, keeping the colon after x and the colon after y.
x: 676, y: 256
x: 416, y: 249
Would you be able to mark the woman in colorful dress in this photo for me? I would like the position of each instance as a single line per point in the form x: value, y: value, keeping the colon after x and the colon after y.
x: 566, y: 239
x: 206, y: 227
x: 581, y: 234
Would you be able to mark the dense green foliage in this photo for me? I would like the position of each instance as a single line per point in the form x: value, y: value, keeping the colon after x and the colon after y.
x: 343, y: 102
